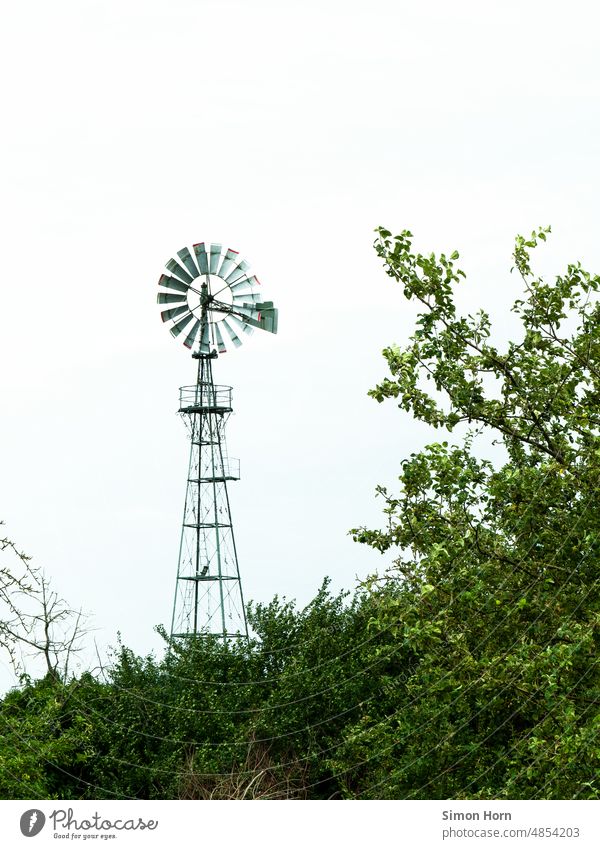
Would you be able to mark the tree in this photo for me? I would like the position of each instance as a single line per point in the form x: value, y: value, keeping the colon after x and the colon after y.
x: 496, y: 612
x: 35, y: 622
x: 43, y: 737
x: 257, y: 719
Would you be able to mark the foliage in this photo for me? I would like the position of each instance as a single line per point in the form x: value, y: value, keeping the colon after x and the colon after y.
x: 45, y: 735
x: 468, y: 670
x: 498, y: 616
x: 210, y: 719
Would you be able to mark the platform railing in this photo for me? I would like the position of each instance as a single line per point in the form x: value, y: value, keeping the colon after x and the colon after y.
x: 205, y: 396
x: 229, y: 469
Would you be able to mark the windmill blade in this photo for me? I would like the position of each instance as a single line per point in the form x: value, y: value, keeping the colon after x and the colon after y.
x: 178, y: 271
x: 181, y: 324
x: 228, y: 263
x: 220, y: 344
x: 241, y: 287
x: 246, y: 297
x: 168, y: 298
x: 191, y: 337
x: 247, y: 311
x: 172, y: 283
x: 247, y: 283
x: 215, y: 257
x: 201, y: 257
x: 187, y: 259
x: 167, y: 314
x: 232, y: 334
x: 238, y: 271
x: 241, y: 325
x: 205, y: 340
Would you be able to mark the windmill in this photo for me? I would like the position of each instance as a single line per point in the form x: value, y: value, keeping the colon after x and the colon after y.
x: 212, y: 303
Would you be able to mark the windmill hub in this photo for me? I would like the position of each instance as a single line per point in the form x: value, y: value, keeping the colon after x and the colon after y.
x: 204, y: 293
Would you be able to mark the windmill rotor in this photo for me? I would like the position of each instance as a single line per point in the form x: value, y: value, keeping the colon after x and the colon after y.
x: 208, y: 294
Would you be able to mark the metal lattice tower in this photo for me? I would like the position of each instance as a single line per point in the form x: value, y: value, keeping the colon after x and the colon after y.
x: 208, y: 592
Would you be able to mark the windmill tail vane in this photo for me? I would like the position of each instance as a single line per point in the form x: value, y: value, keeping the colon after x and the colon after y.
x: 211, y: 299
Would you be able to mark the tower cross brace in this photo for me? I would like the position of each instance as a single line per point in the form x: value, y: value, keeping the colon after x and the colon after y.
x: 208, y: 591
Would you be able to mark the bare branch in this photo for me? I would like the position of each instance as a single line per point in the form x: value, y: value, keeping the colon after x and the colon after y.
x: 35, y: 622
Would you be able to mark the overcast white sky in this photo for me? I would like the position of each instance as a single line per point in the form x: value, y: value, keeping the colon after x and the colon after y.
x: 287, y: 131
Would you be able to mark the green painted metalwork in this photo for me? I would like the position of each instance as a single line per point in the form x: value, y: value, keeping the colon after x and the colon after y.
x: 217, y: 299
x: 208, y: 593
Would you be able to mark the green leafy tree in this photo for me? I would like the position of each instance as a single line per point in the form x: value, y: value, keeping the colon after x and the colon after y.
x: 214, y: 718
x: 45, y: 740
x: 207, y: 720
x: 496, y: 612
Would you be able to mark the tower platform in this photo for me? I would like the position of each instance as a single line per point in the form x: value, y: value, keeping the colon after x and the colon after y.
x: 205, y: 398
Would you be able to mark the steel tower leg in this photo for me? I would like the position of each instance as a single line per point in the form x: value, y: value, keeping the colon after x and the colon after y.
x: 208, y: 591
